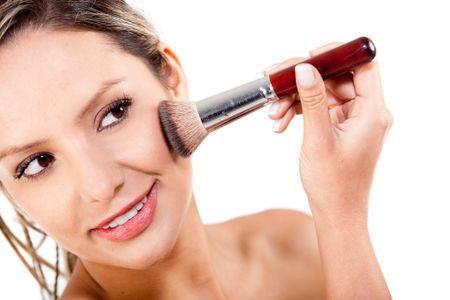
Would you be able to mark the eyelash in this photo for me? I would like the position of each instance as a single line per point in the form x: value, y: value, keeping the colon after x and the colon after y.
x: 124, y: 102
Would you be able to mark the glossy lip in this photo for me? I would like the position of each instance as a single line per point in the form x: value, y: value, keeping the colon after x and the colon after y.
x: 134, y: 226
x: 125, y: 209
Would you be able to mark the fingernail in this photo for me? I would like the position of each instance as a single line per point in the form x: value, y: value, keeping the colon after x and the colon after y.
x: 276, y: 125
x: 274, y: 108
x: 305, y: 75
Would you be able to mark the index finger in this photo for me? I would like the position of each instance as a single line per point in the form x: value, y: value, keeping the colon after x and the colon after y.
x: 296, y: 60
x: 324, y: 48
x: 366, y: 79
x: 284, y: 65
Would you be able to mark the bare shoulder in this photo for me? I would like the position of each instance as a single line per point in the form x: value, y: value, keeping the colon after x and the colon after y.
x: 289, y: 231
x: 284, y: 243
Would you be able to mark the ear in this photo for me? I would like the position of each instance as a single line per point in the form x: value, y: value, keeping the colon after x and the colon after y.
x: 176, y: 81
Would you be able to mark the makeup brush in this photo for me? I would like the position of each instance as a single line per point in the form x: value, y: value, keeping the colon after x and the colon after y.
x: 186, y: 124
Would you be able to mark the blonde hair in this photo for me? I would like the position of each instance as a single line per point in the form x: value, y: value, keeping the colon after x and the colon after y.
x: 128, y: 29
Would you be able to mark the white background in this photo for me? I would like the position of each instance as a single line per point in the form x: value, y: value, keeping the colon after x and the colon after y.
x: 245, y: 168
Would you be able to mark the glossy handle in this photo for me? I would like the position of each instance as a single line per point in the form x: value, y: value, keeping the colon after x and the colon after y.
x: 331, y: 63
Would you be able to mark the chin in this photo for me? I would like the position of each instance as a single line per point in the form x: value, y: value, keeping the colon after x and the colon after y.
x: 153, y: 246
x: 140, y: 253
x: 149, y: 255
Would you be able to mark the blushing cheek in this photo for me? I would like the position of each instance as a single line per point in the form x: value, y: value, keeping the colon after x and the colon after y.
x: 176, y: 171
x: 145, y: 137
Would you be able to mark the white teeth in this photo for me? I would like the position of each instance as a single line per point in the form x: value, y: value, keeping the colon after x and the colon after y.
x: 131, y: 213
x: 122, y: 219
x: 114, y: 223
x: 111, y: 225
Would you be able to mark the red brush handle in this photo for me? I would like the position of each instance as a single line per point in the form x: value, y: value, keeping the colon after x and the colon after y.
x: 331, y: 63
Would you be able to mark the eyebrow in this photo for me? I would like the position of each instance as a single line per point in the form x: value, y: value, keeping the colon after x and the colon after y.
x: 92, y: 103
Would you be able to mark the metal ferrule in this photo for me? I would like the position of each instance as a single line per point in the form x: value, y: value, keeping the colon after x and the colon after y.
x: 221, y: 109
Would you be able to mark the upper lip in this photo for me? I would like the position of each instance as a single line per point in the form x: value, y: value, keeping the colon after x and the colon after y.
x: 125, y: 208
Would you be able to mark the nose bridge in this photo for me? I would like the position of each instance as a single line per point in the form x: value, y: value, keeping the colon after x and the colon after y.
x: 96, y: 174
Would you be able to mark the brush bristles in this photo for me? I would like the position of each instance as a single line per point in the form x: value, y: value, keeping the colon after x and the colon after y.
x: 182, y: 126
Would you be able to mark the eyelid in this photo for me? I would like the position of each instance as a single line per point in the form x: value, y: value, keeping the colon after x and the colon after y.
x: 102, y: 112
x: 124, y: 101
x: 18, y: 174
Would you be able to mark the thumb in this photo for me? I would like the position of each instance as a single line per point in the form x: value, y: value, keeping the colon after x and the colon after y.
x: 313, y: 97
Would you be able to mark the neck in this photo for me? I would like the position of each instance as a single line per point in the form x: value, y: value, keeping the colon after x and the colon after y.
x: 187, y: 270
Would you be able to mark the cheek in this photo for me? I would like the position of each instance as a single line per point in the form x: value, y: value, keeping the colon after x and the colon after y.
x: 143, y: 139
x: 143, y: 148
x: 43, y: 207
x: 138, y: 146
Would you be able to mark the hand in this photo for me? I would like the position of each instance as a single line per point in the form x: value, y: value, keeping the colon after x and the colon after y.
x: 345, y: 124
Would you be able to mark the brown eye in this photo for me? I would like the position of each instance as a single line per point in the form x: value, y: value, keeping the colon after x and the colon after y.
x: 118, y: 112
x: 34, y: 165
x: 115, y: 113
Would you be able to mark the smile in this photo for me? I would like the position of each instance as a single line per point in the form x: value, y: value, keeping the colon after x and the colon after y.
x: 122, y: 219
x: 131, y: 220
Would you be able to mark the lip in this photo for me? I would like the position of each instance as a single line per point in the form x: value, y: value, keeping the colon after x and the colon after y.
x: 136, y: 224
x: 125, y: 209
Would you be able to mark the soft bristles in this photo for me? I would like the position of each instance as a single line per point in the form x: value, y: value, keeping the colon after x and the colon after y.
x: 182, y: 126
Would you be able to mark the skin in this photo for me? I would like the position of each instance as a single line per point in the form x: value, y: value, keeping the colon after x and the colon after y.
x: 277, y: 254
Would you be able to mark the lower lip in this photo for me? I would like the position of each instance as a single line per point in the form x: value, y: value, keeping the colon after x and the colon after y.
x: 135, y: 225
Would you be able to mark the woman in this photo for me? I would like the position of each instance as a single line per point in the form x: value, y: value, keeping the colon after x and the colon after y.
x: 83, y: 156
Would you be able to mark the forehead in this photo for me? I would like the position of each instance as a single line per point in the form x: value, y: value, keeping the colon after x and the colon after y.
x: 43, y: 54
x: 47, y: 73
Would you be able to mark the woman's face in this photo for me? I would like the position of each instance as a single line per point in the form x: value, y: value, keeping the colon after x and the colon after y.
x: 94, y: 163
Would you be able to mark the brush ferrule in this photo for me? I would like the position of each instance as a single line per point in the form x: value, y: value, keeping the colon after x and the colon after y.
x: 223, y: 108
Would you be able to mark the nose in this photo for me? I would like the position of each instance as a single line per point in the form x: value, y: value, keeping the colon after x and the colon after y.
x: 97, y: 175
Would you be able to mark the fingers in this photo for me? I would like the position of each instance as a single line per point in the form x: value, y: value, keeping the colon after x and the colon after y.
x: 287, y: 63
x: 313, y: 97
x: 367, y: 81
x: 342, y: 87
x: 284, y: 110
x: 324, y: 48
x: 296, y: 60
x: 340, y: 113
x: 319, y: 96
x: 280, y: 125
x: 279, y: 108
x: 364, y: 82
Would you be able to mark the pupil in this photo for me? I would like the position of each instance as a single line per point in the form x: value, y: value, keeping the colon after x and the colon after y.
x: 44, y: 160
x: 118, y: 112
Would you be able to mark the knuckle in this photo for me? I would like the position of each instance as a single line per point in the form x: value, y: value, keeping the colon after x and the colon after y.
x: 325, y: 48
x: 283, y: 65
x: 291, y: 62
x: 386, y: 120
x: 313, y: 99
x: 295, y: 60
